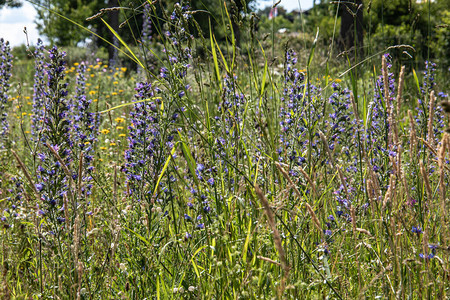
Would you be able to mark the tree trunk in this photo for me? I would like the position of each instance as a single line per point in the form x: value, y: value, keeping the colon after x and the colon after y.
x: 351, y: 23
x: 113, y: 17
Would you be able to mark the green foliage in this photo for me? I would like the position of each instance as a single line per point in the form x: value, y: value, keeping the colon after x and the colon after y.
x: 441, y: 41
x: 10, y: 3
x: 279, y: 22
x: 344, y: 216
x: 57, y: 29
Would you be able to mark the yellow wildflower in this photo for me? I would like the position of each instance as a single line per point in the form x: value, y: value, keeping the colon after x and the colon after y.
x: 119, y: 120
x: 105, y: 131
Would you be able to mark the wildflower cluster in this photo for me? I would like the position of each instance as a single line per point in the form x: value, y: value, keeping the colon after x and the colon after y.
x: 144, y: 154
x: 15, y: 202
x: 53, y: 182
x: 5, y: 75
x: 379, y: 131
x: 39, y: 90
x: 84, y: 127
x: 147, y: 24
x: 299, y: 114
x: 426, y: 101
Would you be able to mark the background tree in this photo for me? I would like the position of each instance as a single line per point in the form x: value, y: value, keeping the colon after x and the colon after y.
x: 10, y: 3
x: 351, y: 34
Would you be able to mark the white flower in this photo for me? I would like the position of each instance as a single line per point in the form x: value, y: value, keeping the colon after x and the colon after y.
x: 191, y: 288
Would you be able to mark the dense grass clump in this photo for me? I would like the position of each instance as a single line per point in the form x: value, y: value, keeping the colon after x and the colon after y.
x: 229, y: 174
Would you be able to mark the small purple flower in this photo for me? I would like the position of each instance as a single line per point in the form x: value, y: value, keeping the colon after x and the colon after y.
x: 417, y: 230
x: 39, y: 187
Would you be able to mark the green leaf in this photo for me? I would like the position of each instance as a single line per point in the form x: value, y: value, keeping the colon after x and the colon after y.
x: 166, y: 164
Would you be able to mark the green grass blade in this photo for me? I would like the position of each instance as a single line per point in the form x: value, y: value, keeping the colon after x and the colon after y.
x: 247, y: 239
x: 233, y: 41
x: 313, y: 48
x: 166, y: 164
x: 221, y: 55
x: 416, y: 80
x: 214, y: 54
x: 126, y: 104
x: 123, y: 43
x: 266, y: 66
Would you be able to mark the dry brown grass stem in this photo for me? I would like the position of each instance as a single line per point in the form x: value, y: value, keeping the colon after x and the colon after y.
x: 76, y: 228
x: 355, y: 112
x: 385, y: 75
x: 276, y: 238
x: 401, y: 177
x: 442, y: 191
x: 390, y: 191
x: 426, y: 181
x: 364, y: 231
x: 363, y: 290
x: 401, y: 83
x: 27, y: 175
x: 115, y: 184
x: 353, y: 214
x: 412, y: 134
x: 430, y: 137
x: 311, y: 212
x: 311, y: 183
x: 333, y: 162
x: 80, y: 277
x: 371, y: 195
x: 355, y: 108
x: 430, y: 147
x: 268, y: 260
x: 66, y: 210
x: 399, y: 163
x: 63, y: 164
x: 425, y: 243
x: 80, y: 175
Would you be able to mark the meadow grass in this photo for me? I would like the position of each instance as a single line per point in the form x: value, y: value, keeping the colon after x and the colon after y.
x: 248, y: 173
